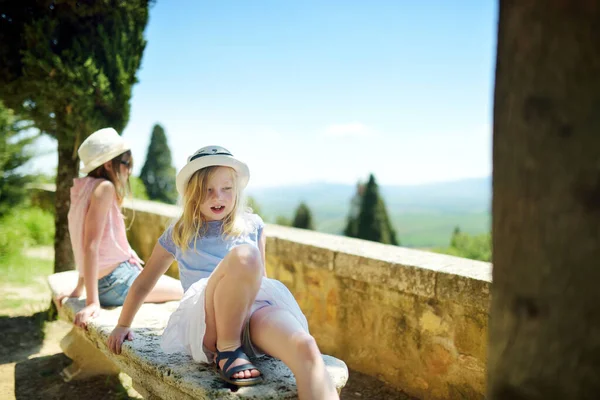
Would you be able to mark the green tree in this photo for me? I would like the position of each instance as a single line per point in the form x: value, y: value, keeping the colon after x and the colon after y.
x: 138, y: 190
x: 474, y: 247
x: 158, y: 173
x: 373, y: 221
x: 69, y: 67
x: 351, y: 229
x: 455, y: 237
x: 303, y: 217
x: 15, y: 152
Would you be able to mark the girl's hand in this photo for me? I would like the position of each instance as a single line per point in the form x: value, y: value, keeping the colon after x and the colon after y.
x: 116, y: 338
x: 86, y: 313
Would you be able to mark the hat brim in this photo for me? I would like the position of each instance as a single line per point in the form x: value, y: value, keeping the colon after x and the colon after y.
x: 183, y: 177
x: 92, y: 165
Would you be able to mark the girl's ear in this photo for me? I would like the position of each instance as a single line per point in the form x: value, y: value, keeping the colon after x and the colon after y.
x: 108, y: 165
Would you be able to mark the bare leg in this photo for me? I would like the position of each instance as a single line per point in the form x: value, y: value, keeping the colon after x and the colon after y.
x: 279, y: 334
x: 230, y: 292
x: 166, y: 289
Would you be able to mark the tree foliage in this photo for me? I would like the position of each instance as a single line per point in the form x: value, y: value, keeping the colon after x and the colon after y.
x: 474, y: 247
x: 69, y: 67
x: 372, y: 222
x: 158, y: 173
x: 303, y: 217
x: 15, y: 152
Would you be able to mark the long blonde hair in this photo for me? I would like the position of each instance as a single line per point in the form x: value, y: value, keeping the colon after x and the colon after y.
x: 192, y: 223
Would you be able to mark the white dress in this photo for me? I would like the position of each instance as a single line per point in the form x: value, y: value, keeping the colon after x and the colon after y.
x: 186, y: 327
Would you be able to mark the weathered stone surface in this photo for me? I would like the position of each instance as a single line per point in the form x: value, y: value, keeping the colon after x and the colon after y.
x: 176, y: 376
x: 463, y: 290
x: 414, y: 319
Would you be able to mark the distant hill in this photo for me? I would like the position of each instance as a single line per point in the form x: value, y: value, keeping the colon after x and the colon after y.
x: 424, y: 215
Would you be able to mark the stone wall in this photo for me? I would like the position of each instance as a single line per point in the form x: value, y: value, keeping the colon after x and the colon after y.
x: 414, y: 319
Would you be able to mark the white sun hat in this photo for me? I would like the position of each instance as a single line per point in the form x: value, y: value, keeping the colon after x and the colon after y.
x: 100, y: 147
x: 212, y: 156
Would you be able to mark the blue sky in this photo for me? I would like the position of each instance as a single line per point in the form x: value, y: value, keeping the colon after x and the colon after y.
x: 307, y: 91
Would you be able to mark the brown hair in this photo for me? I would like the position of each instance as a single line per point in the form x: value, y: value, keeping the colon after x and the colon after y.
x: 123, y: 187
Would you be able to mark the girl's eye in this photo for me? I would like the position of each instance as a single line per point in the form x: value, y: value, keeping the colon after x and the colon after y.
x: 209, y: 190
x: 228, y: 188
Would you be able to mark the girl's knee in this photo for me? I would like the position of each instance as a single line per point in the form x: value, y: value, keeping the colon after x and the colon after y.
x: 306, y: 347
x: 246, y: 259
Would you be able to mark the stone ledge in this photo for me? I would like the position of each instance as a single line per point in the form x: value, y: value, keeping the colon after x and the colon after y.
x: 411, y: 271
x: 176, y: 376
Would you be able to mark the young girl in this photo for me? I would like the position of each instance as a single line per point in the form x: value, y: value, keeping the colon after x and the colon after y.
x: 107, y: 265
x: 230, y: 310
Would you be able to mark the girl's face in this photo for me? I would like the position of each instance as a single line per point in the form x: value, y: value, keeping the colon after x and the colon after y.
x: 125, y: 166
x: 220, y: 195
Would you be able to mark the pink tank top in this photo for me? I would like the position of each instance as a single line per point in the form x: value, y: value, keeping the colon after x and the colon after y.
x: 114, y: 247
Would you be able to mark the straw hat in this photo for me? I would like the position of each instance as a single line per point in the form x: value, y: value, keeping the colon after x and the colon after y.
x: 100, y: 147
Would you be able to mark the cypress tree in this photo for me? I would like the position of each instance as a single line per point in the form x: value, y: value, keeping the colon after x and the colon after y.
x: 351, y: 229
x: 69, y: 66
x: 373, y: 221
x: 303, y: 217
x: 157, y: 173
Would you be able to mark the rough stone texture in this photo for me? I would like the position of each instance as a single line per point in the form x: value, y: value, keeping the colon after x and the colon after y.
x: 176, y: 376
x: 414, y: 319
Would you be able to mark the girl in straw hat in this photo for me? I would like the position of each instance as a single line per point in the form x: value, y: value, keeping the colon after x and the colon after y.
x: 106, y: 263
x: 230, y: 310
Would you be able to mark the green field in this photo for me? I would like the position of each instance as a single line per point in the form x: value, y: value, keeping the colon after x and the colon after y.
x: 422, y: 230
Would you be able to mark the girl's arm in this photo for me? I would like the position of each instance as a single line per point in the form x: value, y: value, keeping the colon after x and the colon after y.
x: 262, y: 244
x: 158, y: 264
x: 95, y: 220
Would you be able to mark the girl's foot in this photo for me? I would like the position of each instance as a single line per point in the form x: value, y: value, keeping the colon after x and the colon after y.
x: 235, y: 368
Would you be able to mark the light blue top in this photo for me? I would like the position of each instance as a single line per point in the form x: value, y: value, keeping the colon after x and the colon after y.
x: 211, y: 248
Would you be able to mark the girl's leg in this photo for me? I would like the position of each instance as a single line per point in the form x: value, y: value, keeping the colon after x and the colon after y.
x: 277, y: 332
x: 166, y: 289
x: 230, y: 292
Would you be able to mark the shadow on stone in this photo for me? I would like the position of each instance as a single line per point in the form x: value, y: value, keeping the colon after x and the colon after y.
x: 39, y: 378
x: 22, y: 336
x: 364, y: 387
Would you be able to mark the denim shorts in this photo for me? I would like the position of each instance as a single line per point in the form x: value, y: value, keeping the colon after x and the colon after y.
x: 113, y: 288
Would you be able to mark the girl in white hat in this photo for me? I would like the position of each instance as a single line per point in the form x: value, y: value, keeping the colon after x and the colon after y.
x: 230, y: 310
x: 107, y: 264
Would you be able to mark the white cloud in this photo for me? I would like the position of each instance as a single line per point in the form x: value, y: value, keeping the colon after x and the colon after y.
x: 350, y: 129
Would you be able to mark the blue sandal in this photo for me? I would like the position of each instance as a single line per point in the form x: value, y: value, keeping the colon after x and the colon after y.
x: 227, y: 373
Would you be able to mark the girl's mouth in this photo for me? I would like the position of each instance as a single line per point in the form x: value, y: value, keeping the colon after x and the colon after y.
x: 217, y: 209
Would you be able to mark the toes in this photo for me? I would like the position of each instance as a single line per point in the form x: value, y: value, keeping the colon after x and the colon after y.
x: 254, y: 373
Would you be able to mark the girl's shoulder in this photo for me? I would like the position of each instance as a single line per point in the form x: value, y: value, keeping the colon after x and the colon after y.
x: 253, y: 222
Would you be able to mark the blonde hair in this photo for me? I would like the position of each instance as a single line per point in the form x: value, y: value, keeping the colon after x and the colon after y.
x: 192, y: 224
x: 123, y: 189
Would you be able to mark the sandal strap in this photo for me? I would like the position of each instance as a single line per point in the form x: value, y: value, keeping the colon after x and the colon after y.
x: 229, y: 372
x: 231, y: 356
